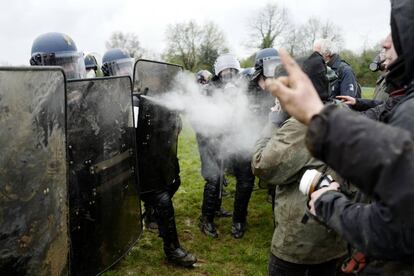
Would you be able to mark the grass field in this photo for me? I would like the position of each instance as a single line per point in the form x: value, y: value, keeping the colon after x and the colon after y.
x: 367, y: 92
x: 222, y: 256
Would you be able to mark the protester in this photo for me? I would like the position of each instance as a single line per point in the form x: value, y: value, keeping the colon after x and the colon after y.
x: 377, y: 158
x: 345, y: 83
x: 281, y: 158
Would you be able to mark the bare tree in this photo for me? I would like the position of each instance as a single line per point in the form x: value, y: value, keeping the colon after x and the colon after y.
x: 212, y: 45
x: 194, y: 46
x: 126, y: 41
x: 294, y: 42
x: 269, y: 25
x: 183, y: 40
x: 300, y: 39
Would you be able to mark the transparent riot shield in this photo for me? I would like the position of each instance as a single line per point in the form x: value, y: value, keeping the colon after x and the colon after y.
x: 33, y: 172
x: 105, y: 215
x: 158, y: 127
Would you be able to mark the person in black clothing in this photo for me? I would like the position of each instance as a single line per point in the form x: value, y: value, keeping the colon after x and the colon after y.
x: 346, y: 83
x: 375, y: 157
x: 203, y: 78
x: 160, y: 174
x: 213, y: 162
x: 157, y: 133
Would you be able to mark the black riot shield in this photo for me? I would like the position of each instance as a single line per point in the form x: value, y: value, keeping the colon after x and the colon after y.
x: 105, y: 215
x: 158, y: 127
x: 33, y: 172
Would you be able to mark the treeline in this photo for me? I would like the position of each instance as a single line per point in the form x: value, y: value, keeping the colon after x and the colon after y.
x: 196, y: 46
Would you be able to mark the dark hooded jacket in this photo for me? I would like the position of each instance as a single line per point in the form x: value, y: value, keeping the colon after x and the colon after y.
x: 377, y: 158
x: 347, y: 83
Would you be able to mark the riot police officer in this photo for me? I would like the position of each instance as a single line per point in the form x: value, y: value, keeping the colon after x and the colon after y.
x: 203, y: 77
x: 266, y: 61
x: 226, y: 70
x: 247, y: 73
x: 93, y: 69
x: 117, y: 62
x: 57, y: 49
x: 162, y: 172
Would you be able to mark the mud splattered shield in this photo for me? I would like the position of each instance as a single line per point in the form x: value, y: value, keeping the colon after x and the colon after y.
x: 105, y: 216
x: 158, y: 127
x: 33, y: 172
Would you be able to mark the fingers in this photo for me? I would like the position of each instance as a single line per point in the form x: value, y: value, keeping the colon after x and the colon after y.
x: 312, y: 209
x: 278, y: 88
x: 334, y: 185
x: 347, y: 99
x: 284, y: 80
x: 342, y: 97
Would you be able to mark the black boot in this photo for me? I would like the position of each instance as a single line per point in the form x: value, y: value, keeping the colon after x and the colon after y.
x: 207, y: 227
x: 179, y: 256
x: 168, y: 231
x: 244, y: 188
x: 238, y: 229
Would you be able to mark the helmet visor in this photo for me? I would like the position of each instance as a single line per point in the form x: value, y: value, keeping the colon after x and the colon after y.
x: 269, y: 66
x: 122, y: 67
x: 228, y: 75
x: 72, y: 63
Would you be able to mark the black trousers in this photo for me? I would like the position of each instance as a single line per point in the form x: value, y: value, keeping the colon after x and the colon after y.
x: 212, y: 170
x: 164, y: 216
x: 278, y: 267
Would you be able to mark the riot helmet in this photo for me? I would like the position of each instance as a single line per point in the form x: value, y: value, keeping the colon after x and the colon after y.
x: 57, y: 49
x: 226, y: 68
x: 117, y: 62
x: 92, y: 65
x: 203, y: 76
x: 266, y: 61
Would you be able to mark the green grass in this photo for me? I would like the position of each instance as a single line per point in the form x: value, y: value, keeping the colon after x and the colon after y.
x: 368, y: 92
x: 222, y: 256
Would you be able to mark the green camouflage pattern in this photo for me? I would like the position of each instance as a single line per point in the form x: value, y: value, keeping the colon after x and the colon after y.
x: 281, y: 158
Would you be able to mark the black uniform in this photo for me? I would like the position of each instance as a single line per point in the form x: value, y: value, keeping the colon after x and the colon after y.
x: 212, y: 170
x: 157, y: 134
x: 213, y: 163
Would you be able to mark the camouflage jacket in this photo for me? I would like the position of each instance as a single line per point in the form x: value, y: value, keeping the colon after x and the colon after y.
x: 281, y: 158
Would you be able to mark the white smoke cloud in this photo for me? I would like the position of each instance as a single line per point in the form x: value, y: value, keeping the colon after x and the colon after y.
x: 224, y: 114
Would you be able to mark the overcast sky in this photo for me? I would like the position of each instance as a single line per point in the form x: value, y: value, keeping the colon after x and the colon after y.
x: 90, y: 22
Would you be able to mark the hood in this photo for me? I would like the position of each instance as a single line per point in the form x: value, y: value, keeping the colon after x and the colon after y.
x: 314, y: 66
x: 402, y: 29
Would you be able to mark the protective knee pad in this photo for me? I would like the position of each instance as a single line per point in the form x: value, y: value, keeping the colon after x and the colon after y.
x: 165, y: 217
x: 163, y: 202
